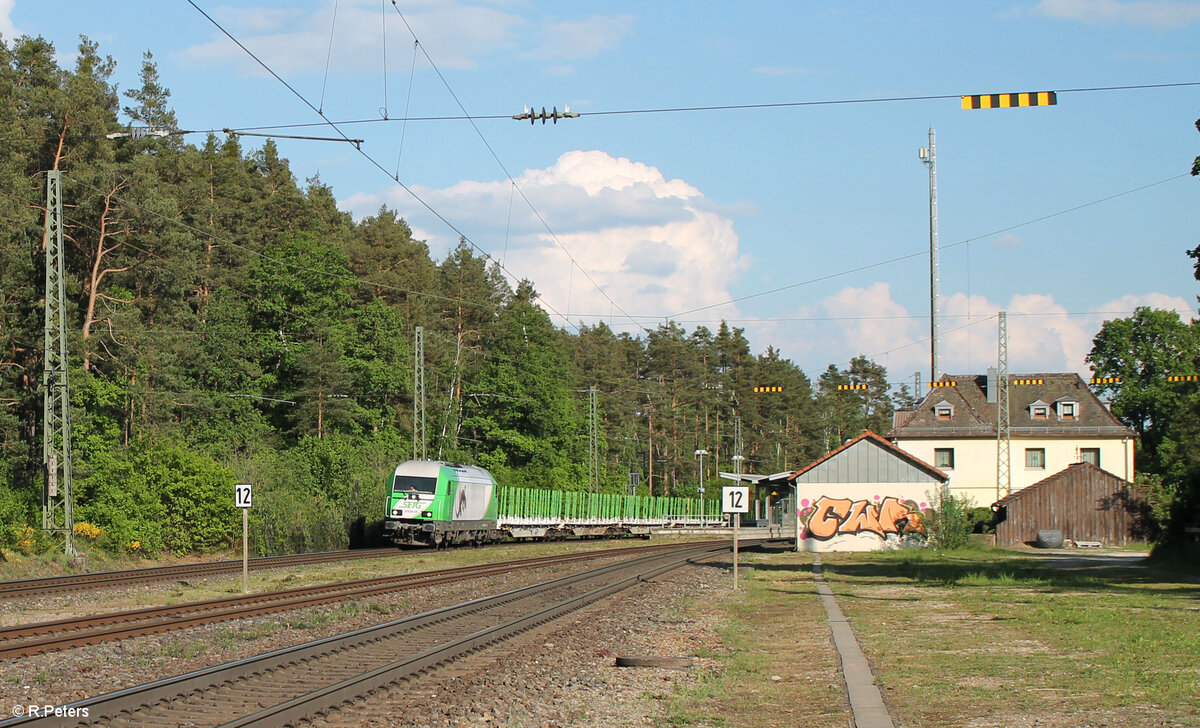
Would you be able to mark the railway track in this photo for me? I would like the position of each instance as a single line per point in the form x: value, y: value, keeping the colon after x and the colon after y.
x: 289, y: 685
x: 103, y: 579
x: 32, y: 639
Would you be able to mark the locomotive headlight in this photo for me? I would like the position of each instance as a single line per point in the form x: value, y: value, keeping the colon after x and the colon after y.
x: 426, y: 514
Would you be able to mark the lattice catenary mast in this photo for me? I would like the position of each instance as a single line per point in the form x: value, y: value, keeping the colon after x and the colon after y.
x: 58, y: 498
x: 419, y: 452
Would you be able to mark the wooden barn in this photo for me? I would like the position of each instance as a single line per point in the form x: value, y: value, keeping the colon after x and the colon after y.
x: 1084, y: 502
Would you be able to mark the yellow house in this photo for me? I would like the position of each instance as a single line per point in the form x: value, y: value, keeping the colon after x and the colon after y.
x: 1054, y: 422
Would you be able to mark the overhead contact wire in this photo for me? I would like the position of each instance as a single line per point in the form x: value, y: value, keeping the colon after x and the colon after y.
x: 420, y: 200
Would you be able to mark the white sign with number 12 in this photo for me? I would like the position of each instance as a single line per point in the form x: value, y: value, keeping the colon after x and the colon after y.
x: 735, y: 499
x: 243, y: 495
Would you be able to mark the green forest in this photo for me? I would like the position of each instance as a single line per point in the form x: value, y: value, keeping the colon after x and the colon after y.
x: 228, y: 323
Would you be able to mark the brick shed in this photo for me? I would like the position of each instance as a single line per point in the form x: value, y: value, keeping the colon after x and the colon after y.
x: 1083, y: 501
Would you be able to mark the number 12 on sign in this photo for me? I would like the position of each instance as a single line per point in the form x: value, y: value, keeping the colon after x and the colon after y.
x: 735, y: 499
x: 243, y: 496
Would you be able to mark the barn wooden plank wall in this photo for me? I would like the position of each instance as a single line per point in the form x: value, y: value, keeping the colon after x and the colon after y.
x: 1083, y: 501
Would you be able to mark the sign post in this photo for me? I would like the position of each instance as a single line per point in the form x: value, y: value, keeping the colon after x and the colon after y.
x: 735, y: 500
x: 243, y: 496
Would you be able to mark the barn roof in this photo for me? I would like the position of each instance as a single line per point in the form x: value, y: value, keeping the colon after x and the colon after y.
x: 1049, y: 482
x: 868, y: 458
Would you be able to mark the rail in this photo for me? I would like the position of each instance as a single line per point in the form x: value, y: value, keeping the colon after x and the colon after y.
x: 292, y: 684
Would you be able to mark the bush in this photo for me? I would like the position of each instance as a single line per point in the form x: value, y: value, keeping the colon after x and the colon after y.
x: 982, y: 520
x: 17, y: 510
x: 158, y: 497
x: 322, y: 495
x: 948, y: 522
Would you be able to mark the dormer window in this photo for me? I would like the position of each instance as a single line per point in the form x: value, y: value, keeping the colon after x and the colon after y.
x: 943, y: 411
x: 1068, y: 409
x: 1039, y: 410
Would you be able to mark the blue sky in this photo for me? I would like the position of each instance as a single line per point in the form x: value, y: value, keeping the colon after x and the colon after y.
x: 791, y: 213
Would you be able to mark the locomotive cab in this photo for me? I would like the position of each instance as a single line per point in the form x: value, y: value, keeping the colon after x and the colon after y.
x: 437, y: 503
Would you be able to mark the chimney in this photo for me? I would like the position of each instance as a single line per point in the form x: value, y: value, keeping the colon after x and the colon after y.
x: 993, y: 385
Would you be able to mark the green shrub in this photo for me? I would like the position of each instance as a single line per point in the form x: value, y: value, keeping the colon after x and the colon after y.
x: 157, y: 497
x: 17, y: 509
x: 982, y: 520
x: 948, y: 522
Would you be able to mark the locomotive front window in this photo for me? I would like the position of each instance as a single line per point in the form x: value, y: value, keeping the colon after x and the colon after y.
x: 412, y: 484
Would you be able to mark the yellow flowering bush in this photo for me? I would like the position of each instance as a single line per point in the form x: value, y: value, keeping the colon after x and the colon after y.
x: 88, y: 530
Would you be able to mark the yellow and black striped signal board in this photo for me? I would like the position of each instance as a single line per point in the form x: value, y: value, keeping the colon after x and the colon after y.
x: 1028, y: 381
x: 768, y: 389
x: 1105, y: 380
x: 1009, y: 101
x: 1184, y: 378
x: 844, y: 387
x: 951, y: 383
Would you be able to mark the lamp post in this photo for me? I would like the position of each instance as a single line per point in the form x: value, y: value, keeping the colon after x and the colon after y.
x: 700, y: 511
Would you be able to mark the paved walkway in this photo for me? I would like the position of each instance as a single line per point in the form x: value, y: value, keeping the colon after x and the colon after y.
x: 866, y: 702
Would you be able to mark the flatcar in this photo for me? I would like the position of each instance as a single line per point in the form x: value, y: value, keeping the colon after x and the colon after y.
x: 435, y: 503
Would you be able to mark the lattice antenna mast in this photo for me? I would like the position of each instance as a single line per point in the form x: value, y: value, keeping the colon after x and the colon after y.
x: 1003, y: 441
x: 929, y: 157
x: 593, y: 442
x: 419, y: 452
x: 58, y: 498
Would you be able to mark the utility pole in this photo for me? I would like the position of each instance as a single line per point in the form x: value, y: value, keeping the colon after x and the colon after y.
x: 1003, y: 441
x: 593, y: 442
x: 929, y: 157
x: 58, y: 498
x: 419, y: 452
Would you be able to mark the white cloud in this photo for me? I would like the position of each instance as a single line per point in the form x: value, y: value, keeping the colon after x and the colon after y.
x: 1145, y: 13
x: 1007, y: 241
x: 454, y: 33
x: 575, y: 39
x: 1043, y: 336
x: 8, y: 30
x: 652, y: 244
x: 258, y: 20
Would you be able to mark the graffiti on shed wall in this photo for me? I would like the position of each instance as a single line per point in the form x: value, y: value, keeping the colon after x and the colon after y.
x: 830, y: 517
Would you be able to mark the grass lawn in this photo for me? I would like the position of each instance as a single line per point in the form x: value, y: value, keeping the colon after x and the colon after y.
x: 972, y: 638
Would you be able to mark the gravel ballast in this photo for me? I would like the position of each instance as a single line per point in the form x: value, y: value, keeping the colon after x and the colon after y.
x: 563, y: 674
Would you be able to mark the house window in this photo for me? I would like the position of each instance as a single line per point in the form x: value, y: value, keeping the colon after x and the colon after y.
x: 943, y: 411
x: 1039, y: 412
x: 1035, y: 458
x: 1068, y: 410
x: 1090, y: 455
x: 943, y: 457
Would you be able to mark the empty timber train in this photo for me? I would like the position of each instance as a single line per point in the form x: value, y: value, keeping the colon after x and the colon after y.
x: 435, y: 503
